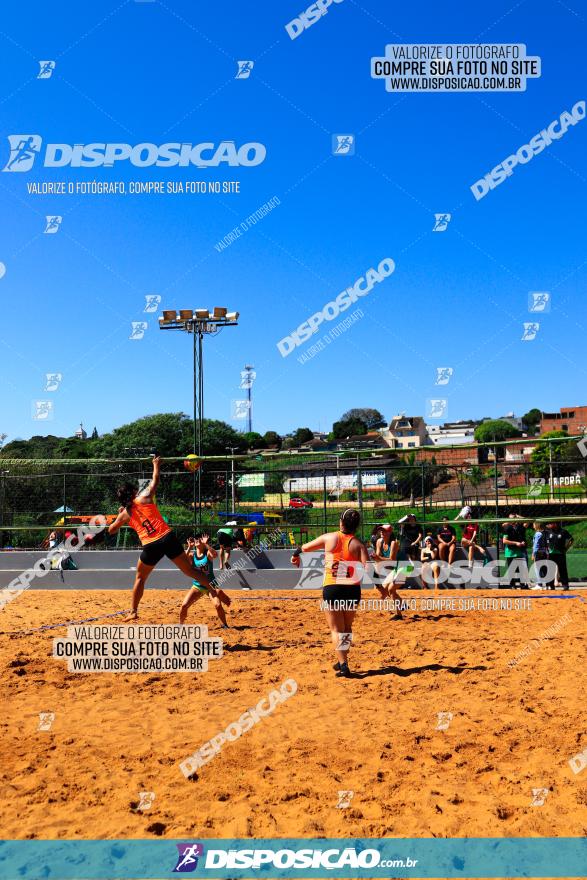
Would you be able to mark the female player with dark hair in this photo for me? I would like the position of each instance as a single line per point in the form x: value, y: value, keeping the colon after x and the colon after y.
x: 201, y: 555
x: 139, y: 511
x: 344, y: 558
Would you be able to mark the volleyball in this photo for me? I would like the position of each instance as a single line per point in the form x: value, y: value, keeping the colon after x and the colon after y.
x: 192, y: 463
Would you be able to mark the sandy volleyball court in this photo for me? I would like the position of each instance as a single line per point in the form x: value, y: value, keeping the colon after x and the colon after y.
x: 512, y: 730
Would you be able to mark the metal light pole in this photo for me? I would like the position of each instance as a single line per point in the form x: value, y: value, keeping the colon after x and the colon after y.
x: 200, y: 323
x: 232, y: 450
x: 2, y: 497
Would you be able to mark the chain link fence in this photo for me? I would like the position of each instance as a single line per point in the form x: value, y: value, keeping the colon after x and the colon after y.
x: 298, y: 495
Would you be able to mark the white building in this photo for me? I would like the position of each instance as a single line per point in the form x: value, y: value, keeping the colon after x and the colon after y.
x: 452, y: 433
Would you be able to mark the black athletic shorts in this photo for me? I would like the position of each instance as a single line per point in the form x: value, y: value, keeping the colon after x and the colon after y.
x: 225, y: 540
x: 342, y: 598
x: 169, y: 545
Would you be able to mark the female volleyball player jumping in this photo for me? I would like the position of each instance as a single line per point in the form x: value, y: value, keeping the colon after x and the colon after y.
x: 139, y: 511
x: 342, y: 581
x: 201, y: 555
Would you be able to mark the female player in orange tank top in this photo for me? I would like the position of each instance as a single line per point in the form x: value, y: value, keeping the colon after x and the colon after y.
x: 344, y: 559
x: 139, y: 511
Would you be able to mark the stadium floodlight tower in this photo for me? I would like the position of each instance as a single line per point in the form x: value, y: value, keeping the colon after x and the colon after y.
x: 200, y: 323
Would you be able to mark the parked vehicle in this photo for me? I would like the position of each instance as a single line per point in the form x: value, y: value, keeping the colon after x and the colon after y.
x: 299, y: 502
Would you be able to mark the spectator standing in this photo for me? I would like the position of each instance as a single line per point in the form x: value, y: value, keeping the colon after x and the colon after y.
x: 514, y: 542
x: 558, y: 541
x: 539, y: 553
x: 410, y: 537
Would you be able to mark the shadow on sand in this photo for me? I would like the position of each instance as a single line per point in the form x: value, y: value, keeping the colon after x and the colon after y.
x: 415, y: 670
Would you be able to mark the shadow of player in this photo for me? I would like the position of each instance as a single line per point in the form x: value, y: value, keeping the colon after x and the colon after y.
x: 415, y: 670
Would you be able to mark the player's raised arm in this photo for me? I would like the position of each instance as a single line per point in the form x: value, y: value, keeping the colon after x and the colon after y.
x: 152, y: 487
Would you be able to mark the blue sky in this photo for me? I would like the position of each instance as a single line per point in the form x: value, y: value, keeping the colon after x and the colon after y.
x: 165, y: 71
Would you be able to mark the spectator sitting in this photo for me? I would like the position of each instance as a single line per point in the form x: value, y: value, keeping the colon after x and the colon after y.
x: 469, y: 539
x: 429, y: 557
x: 447, y: 541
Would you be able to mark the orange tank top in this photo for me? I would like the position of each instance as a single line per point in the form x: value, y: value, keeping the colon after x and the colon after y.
x: 348, y: 576
x: 147, y: 522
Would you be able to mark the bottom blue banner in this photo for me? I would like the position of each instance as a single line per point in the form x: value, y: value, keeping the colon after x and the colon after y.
x: 352, y: 858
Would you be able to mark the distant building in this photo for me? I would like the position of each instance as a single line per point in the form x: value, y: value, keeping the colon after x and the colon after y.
x: 406, y: 432
x: 457, y: 433
x: 81, y: 433
x: 570, y: 418
x: 370, y: 440
x: 514, y: 421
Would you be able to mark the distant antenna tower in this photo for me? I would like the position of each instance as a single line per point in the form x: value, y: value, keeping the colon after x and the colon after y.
x: 248, y: 376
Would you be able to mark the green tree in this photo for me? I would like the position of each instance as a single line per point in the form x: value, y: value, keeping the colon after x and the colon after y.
x: 254, y: 440
x: 47, y: 447
x: 371, y: 417
x: 532, y: 420
x: 171, y: 434
x: 563, y: 455
x: 476, y: 476
x: 272, y: 438
x: 495, y: 430
x: 297, y: 438
x: 343, y: 429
